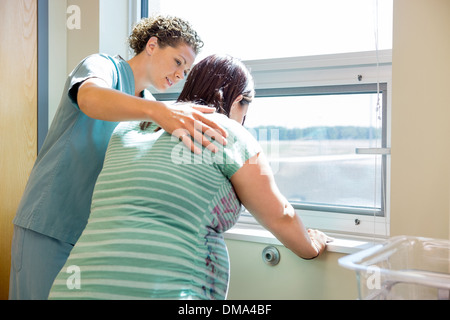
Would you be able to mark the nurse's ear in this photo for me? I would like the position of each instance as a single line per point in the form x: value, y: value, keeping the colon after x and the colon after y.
x: 152, y: 43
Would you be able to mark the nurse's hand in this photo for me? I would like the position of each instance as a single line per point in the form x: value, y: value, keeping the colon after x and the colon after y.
x: 186, y: 121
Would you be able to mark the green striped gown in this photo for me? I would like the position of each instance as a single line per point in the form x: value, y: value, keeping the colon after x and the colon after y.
x: 157, y: 217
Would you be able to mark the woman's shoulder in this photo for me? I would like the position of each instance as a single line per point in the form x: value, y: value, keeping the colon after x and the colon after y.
x: 237, y: 133
x: 230, y: 125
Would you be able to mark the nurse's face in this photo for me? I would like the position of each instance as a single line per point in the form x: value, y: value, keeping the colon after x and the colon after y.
x: 168, y: 65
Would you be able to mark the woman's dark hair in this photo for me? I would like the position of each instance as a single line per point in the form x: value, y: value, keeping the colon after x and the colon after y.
x: 216, y: 81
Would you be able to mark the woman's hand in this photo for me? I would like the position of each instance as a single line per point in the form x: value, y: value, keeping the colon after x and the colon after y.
x: 184, y: 121
x: 319, y: 240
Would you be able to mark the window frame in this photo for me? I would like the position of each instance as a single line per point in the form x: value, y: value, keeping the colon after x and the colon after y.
x: 369, y: 88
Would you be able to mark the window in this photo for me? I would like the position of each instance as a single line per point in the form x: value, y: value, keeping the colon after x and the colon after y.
x: 312, y: 138
x: 322, y: 109
x: 324, y: 121
x: 266, y: 29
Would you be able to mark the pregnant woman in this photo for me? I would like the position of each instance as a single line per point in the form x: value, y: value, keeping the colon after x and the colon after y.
x: 159, y: 211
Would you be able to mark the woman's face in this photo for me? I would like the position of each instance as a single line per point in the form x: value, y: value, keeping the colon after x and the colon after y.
x: 169, y: 65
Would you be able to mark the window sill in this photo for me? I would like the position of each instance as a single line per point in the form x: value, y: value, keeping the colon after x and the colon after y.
x: 341, y: 244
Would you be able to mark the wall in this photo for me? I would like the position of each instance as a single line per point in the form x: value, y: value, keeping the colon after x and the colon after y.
x: 292, y: 279
x: 420, y: 186
x: 114, y: 32
x: 57, y: 53
x: 103, y: 28
x: 85, y: 40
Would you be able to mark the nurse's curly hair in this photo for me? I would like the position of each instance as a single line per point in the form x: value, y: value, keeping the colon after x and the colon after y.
x: 169, y: 30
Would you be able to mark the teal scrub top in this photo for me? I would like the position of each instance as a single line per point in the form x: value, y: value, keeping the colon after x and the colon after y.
x: 57, y: 198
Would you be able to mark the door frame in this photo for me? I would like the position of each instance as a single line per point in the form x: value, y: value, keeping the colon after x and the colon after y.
x: 42, y: 72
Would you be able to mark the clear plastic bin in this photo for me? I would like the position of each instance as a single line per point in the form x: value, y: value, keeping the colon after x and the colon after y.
x: 403, y: 267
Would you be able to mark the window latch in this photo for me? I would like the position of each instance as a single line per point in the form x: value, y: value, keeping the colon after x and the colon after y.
x: 377, y: 151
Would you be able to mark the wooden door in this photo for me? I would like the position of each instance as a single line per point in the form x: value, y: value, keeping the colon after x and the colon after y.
x: 18, y: 115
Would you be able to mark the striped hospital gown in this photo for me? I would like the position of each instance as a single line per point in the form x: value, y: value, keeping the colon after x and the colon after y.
x: 157, y: 217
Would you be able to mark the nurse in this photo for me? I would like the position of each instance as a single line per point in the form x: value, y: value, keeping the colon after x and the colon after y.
x: 101, y: 91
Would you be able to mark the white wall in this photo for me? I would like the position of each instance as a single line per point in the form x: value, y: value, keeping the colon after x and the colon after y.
x: 103, y: 28
x: 113, y: 31
x: 292, y: 279
x: 57, y: 53
x: 85, y: 40
x: 420, y: 186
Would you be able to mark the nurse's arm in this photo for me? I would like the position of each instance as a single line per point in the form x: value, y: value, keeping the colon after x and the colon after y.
x: 256, y: 188
x: 98, y: 101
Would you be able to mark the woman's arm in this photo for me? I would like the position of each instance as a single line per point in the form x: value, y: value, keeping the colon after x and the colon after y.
x: 256, y: 188
x: 98, y: 101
